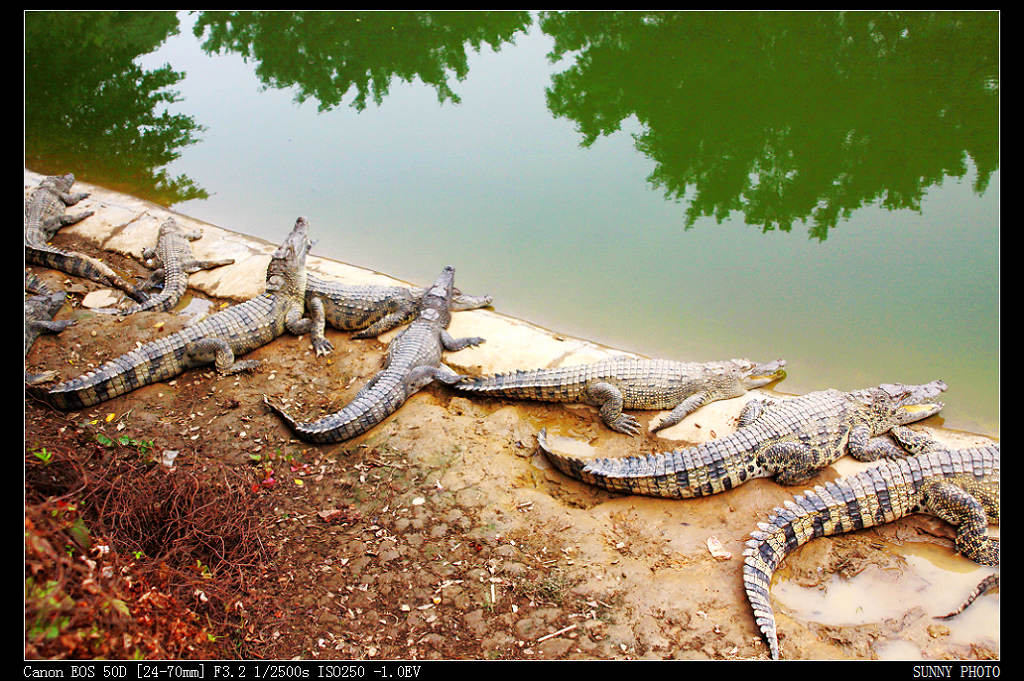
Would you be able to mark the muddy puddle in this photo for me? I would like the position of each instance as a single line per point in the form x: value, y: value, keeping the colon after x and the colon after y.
x: 192, y: 308
x: 931, y: 580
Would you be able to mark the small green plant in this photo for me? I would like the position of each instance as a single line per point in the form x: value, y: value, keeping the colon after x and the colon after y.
x: 143, y: 447
x: 43, y: 455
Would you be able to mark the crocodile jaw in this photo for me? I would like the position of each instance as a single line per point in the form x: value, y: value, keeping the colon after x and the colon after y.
x: 908, y: 413
x: 919, y: 402
x: 763, y: 374
x: 287, y: 266
x: 439, y: 296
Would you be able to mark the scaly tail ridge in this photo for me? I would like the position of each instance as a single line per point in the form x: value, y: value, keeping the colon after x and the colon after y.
x: 82, y: 266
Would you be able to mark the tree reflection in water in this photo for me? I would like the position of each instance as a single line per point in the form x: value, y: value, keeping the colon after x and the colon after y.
x: 788, y: 116
x: 89, y: 108
x: 325, y: 54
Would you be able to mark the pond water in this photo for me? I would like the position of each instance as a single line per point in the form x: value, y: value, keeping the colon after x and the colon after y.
x: 818, y: 186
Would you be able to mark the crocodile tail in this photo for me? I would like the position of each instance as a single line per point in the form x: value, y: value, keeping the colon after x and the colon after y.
x: 788, y: 528
x: 873, y: 497
x: 86, y: 390
x: 174, y: 288
x: 161, y: 302
x: 675, y: 475
x: 569, y: 465
x: 34, y: 284
x: 368, y: 408
x: 281, y: 413
x: 81, y: 266
x: 530, y: 384
x: 151, y: 363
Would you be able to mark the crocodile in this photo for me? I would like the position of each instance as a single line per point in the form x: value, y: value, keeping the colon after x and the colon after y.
x: 631, y: 383
x: 216, y: 339
x: 372, y: 309
x: 789, y: 440
x: 412, y: 360
x: 172, y: 261
x: 44, y: 215
x: 39, y: 311
x: 960, y: 486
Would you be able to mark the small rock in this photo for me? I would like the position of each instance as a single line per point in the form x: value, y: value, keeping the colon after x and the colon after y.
x: 475, y: 622
x: 716, y: 549
x: 330, y: 515
x: 101, y: 298
x: 529, y: 628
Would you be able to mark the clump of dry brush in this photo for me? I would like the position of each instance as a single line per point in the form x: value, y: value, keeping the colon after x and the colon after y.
x: 125, y: 558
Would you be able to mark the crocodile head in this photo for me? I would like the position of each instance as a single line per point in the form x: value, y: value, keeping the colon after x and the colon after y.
x: 44, y: 305
x: 169, y: 226
x: 437, y: 300
x: 901, y: 403
x: 59, y: 183
x: 763, y: 374
x: 287, y: 268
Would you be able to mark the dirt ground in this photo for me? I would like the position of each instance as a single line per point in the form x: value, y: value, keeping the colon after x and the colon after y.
x: 441, y: 533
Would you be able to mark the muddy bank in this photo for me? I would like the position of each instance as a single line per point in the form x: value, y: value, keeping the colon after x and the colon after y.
x: 444, y: 533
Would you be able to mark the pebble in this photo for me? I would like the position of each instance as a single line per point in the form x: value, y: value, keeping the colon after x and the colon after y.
x: 99, y: 299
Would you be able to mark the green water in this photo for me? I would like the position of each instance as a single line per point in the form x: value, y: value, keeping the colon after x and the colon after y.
x: 818, y: 186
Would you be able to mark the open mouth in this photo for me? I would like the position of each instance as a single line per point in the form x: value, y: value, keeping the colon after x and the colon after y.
x: 917, y: 408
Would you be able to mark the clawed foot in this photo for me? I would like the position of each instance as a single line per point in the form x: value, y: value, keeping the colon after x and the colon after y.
x: 627, y: 424
x: 322, y: 347
x: 246, y: 365
x: 911, y: 440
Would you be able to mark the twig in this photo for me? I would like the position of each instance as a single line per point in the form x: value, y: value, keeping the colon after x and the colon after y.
x: 556, y: 633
